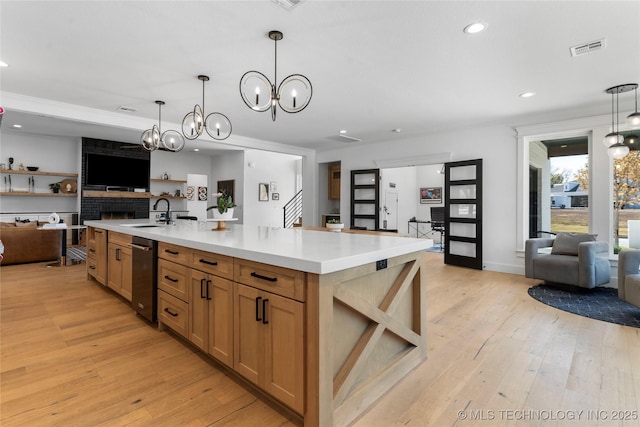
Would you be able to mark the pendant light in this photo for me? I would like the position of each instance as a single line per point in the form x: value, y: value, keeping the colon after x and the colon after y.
x: 217, y: 125
x: 258, y: 93
x: 633, y: 119
x: 153, y: 138
x: 613, y: 137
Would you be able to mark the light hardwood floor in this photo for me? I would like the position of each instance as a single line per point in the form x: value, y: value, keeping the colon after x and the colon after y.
x: 74, y: 354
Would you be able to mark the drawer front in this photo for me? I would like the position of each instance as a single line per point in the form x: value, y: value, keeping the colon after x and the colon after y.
x: 174, y: 253
x: 173, y: 313
x: 91, y: 265
x: 218, y: 265
x: 120, y: 238
x: 281, y: 281
x: 91, y: 249
x: 173, y: 279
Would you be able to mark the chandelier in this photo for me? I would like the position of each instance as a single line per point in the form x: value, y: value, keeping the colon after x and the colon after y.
x: 151, y: 139
x: 217, y: 125
x: 615, y: 140
x: 258, y: 93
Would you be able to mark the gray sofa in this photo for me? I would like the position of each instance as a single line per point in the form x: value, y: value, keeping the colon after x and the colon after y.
x: 629, y: 276
x: 575, y: 259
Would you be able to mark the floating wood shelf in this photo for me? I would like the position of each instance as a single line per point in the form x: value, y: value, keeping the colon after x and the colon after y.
x: 19, y: 172
x: 27, y: 194
x: 175, y: 181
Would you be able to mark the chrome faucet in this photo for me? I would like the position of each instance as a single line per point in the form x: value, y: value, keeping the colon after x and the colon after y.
x: 168, y: 214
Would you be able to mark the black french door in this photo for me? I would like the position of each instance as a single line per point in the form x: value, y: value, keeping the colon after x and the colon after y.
x: 463, y: 213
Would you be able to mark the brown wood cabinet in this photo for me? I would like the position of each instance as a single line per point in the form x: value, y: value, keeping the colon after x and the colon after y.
x: 97, y: 254
x: 334, y: 181
x: 269, y: 343
x: 211, y: 315
x: 120, y: 268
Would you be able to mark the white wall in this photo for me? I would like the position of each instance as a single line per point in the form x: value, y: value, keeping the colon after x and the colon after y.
x: 225, y: 167
x: 268, y: 167
x: 405, y: 182
x: 178, y: 166
x: 496, y: 145
x: 50, y: 154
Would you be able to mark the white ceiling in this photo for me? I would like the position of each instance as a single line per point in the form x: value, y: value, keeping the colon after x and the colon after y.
x: 374, y: 65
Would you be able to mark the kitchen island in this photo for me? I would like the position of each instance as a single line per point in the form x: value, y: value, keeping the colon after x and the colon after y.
x: 325, y: 323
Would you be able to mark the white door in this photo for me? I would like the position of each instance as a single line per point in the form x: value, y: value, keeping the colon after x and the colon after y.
x: 390, y: 211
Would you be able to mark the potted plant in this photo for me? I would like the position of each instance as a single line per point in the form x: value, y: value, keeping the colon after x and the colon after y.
x: 55, y: 187
x: 334, y: 225
x: 224, y: 207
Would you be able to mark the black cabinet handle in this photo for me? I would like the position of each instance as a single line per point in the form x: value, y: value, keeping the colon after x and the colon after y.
x: 260, y: 276
x: 202, y: 288
x: 264, y: 311
x: 92, y: 267
x: 171, y: 252
x: 171, y: 279
x: 169, y: 311
x: 117, y: 254
x: 99, y: 231
x: 258, y: 309
x: 204, y: 261
x: 92, y: 250
x: 208, y: 283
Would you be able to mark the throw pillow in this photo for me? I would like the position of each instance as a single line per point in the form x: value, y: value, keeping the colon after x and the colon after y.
x: 567, y: 243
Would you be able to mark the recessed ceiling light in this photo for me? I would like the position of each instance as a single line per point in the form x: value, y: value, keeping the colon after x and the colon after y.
x: 3, y: 64
x: 343, y: 131
x: 196, y: 149
x: 17, y: 126
x: 526, y: 94
x: 396, y: 130
x: 474, y: 28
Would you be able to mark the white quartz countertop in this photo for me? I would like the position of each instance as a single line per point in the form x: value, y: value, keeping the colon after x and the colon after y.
x: 311, y: 251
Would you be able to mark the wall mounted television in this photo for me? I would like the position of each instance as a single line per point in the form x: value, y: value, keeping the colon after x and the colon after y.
x: 115, y: 171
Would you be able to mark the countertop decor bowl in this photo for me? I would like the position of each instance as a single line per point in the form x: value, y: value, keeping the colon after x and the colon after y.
x: 32, y: 168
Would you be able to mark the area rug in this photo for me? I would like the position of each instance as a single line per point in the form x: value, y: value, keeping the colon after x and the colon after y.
x: 435, y: 248
x: 598, y: 303
x: 77, y: 253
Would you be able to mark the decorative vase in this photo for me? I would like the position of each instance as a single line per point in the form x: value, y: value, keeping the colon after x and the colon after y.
x: 335, y: 227
x: 227, y: 215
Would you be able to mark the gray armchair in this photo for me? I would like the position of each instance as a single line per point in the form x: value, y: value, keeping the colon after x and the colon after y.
x: 573, y: 260
x: 629, y: 276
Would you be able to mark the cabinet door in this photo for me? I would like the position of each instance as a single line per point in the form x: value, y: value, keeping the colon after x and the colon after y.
x: 120, y: 270
x: 114, y: 264
x: 284, y: 350
x: 221, y: 319
x: 126, y: 283
x: 101, y: 256
x: 198, y: 309
x: 248, y: 353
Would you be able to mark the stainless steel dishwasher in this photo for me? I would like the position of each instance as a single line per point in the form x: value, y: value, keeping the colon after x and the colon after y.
x: 145, y: 289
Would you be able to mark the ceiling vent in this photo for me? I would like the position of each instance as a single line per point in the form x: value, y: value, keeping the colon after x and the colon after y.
x: 344, y: 138
x: 287, y: 4
x: 126, y: 109
x: 584, y: 48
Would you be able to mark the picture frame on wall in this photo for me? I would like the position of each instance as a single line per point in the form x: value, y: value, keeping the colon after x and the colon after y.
x: 263, y: 192
x: 430, y: 195
x: 227, y: 187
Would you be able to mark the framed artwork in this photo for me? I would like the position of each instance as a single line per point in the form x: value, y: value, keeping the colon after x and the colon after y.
x: 202, y: 193
x: 430, y: 195
x: 275, y: 196
x: 263, y: 192
x: 227, y: 188
x: 191, y: 192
